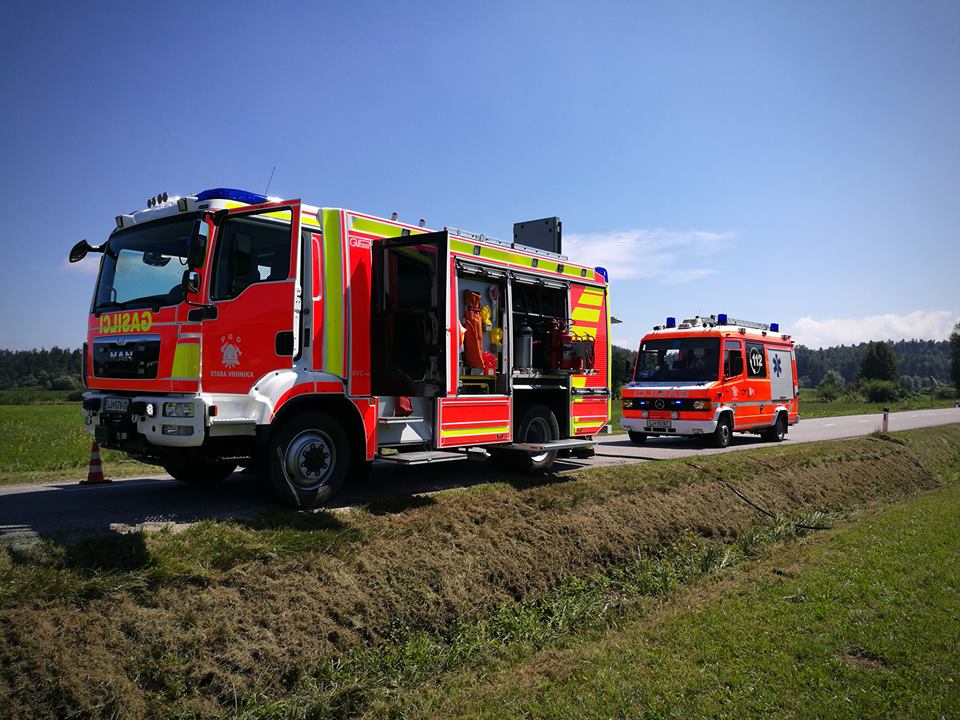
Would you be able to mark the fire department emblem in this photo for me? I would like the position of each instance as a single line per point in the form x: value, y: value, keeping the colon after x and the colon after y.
x: 230, y: 351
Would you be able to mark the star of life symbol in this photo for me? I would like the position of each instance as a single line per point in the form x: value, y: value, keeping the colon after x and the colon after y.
x: 230, y: 352
x: 777, y: 365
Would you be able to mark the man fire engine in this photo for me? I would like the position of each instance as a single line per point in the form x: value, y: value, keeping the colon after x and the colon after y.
x: 228, y: 328
x: 710, y: 377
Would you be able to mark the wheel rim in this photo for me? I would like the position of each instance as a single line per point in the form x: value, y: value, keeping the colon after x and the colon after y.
x: 310, y: 459
x: 538, y: 431
x: 724, y: 434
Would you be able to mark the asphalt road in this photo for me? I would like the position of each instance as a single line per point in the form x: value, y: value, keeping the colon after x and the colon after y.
x: 50, y: 510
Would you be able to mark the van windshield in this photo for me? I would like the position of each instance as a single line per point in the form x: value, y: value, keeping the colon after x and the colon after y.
x: 679, y: 359
x: 143, y: 266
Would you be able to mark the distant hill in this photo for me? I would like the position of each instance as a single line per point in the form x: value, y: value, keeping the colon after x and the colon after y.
x: 55, y: 368
x: 924, y: 360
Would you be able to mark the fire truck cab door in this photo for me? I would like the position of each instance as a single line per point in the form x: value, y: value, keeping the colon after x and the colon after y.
x: 254, y: 289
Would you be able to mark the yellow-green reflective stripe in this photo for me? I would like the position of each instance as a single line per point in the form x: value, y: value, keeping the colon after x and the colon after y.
x: 586, y: 314
x: 333, y: 294
x: 491, y: 253
x: 593, y: 299
x: 186, y: 360
x: 475, y: 431
x: 376, y: 227
x: 309, y: 219
x: 279, y: 214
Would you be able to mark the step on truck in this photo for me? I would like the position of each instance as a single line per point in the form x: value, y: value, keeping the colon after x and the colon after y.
x: 708, y: 377
x: 230, y: 329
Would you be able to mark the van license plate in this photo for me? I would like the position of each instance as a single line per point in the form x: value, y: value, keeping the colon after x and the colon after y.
x: 659, y: 423
x: 116, y: 404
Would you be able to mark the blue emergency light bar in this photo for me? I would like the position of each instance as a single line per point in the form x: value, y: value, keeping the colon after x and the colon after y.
x: 231, y: 194
x: 722, y: 319
x: 603, y: 273
x: 671, y: 322
x: 774, y: 327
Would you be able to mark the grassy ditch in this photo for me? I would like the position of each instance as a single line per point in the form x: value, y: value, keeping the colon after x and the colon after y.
x: 859, y: 623
x: 339, y: 614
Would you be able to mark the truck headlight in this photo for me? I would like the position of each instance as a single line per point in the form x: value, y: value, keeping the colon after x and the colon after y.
x: 178, y: 409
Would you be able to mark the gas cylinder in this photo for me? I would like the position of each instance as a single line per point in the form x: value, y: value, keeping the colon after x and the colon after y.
x: 523, y: 352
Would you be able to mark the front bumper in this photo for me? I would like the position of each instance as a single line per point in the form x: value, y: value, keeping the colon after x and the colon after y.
x: 133, y: 428
x: 677, y: 427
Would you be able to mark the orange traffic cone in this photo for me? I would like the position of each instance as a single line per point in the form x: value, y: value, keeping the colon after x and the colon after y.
x: 95, y: 469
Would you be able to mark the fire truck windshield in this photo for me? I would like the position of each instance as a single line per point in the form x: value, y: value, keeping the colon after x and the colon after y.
x: 143, y: 266
x: 679, y: 359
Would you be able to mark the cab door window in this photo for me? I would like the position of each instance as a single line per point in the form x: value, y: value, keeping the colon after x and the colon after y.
x: 732, y: 359
x: 249, y: 251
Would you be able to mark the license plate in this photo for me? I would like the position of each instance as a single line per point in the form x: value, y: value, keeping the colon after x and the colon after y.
x: 115, y: 404
x: 659, y: 423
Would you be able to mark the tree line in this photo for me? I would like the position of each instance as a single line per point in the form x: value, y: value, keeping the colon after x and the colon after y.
x: 920, y: 363
x: 53, y: 369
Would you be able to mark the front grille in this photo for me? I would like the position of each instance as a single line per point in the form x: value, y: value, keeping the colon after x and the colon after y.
x: 133, y: 357
x: 666, y: 404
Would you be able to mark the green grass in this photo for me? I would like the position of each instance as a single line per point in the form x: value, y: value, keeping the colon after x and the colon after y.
x: 441, y: 606
x: 29, y: 396
x: 860, y: 623
x: 47, y: 442
x: 811, y: 406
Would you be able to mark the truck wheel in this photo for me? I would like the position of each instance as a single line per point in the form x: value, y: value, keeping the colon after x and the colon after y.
x: 722, y: 435
x: 637, y: 438
x: 538, y: 424
x: 309, y: 460
x: 197, y: 471
x: 779, y: 429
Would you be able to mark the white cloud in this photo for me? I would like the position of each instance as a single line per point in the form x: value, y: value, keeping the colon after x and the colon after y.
x: 918, y: 325
x: 671, y: 256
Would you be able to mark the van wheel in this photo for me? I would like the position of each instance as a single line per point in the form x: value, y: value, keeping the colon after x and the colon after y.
x: 637, y: 438
x: 197, y: 471
x: 309, y: 460
x: 779, y: 429
x: 537, y: 425
x: 722, y: 435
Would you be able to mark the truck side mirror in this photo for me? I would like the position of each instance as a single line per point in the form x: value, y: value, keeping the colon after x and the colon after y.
x: 79, y: 251
x: 197, y: 244
x: 191, y: 282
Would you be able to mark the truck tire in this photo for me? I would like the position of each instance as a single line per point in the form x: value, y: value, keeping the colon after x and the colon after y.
x: 197, y: 471
x: 637, y: 438
x: 538, y: 424
x: 779, y: 429
x: 723, y: 434
x: 309, y: 458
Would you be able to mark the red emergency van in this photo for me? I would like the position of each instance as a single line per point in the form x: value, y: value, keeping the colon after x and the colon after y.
x: 711, y: 376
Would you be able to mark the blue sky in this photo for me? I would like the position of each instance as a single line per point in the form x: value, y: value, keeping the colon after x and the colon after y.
x: 794, y: 162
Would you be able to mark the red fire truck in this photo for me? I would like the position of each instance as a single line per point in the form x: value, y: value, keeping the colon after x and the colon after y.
x: 230, y: 329
x: 712, y: 376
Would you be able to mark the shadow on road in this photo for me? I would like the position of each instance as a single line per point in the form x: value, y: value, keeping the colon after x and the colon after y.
x: 62, y: 510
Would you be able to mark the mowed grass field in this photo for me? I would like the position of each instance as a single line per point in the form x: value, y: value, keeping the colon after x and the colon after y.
x: 861, y: 622
x: 45, y: 442
x: 632, y: 591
